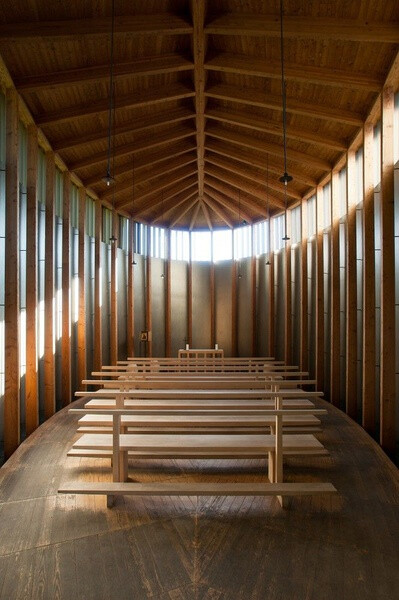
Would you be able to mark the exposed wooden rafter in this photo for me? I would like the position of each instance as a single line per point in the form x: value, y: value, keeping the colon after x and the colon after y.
x: 198, y: 16
x: 221, y: 194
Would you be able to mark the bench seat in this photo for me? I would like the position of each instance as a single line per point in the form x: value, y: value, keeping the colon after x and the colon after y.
x: 229, y: 404
x: 197, y: 489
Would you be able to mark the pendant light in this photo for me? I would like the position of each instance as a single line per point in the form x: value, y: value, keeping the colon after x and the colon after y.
x: 108, y: 179
x: 285, y: 178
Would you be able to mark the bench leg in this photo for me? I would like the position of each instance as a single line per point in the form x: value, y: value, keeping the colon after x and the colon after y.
x: 110, y: 501
x: 271, y: 466
x: 123, y: 466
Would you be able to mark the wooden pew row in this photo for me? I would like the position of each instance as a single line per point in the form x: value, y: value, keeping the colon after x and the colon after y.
x: 202, y: 383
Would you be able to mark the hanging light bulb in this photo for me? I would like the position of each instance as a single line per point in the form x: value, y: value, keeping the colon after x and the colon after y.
x: 108, y: 178
x: 285, y: 178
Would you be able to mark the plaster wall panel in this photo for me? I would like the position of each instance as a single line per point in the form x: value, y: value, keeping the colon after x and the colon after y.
x: 139, y: 304
x: 244, y: 308
x: 158, y: 296
x: 223, y: 306
x: 201, y: 305
x: 178, y: 271
x: 122, y: 303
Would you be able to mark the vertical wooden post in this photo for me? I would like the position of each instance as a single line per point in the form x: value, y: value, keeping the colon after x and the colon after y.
x: 130, y: 291
x: 253, y: 294
x: 66, y: 292
x: 49, y: 349
x: 212, y: 294
x: 319, y: 290
x: 288, y: 293
x: 234, y: 275
x: 351, y: 287
x: 97, y: 287
x: 168, y: 298
x: 148, y: 314
x: 271, y: 316
x: 31, y: 378
x: 190, y: 296
x: 334, y: 293
x: 387, y: 362
x: 369, y: 329
x: 304, y: 359
x: 11, y: 321
x: 113, y: 323
x: 81, y: 329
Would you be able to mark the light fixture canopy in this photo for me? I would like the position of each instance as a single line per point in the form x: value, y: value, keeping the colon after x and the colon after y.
x: 285, y: 178
x: 108, y: 179
x: 113, y: 239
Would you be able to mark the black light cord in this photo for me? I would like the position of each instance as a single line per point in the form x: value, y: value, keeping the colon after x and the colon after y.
x: 108, y: 178
x: 285, y: 178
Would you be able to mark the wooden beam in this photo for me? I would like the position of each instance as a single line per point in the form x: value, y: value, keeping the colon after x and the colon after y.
x: 243, y: 119
x: 319, y: 290
x: 151, y: 65
x: 177, y: 189
x: 194, y: 215
x: 143, y: 191
x: 368, y: 313
x: 304, y: 321
x: 226, y: 62
x: 256, y: 97
x: 190, y: 296
x: 387, y: 333
x: 222, y: 194
x: 303, y: 27
x: 288, y: 292
x: 176, y: 202
x: 97, y: 287
x: 183, y: 212
x: 212, y: 300
x: 335, y: 292
x: 113, y: 323
x: 160, y: 119
x: 351, y: 287
x: 11, y: 292
x: 206, y: 214
x: 240, y: 184
x: 148, y: 298
x: 149, y: 173
x: 49, y: 350
x: 274, y: 149
x: 271, y: 314
x: 254, y: 337
x: 234, y: 277
x: 130, y: 291
x: 251, y: 176
x: 198, y: 8
x: 66, y: 368
x: 166, y: 138
x: 168, y: 296
x: 149, y: 24
x: 31, y: 376
x: 149, y: 97
x: 214, y: 205
x: 255, y: 158
x: 81, y: 329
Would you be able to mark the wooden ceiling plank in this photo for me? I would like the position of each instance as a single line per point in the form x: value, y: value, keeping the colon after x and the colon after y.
x: 244, y: 186
x: 198, y: 17
x: 243, y: 119
x: 179, y: 187
x: 218, y: 210
x: 169, y: 180
x: 254, y: 159
x: 206, y: 214
x: 173, y: 163
x: 174, y: 205
x: 152, y: 65
x: 152, y: 96
x: 223, y: 194
x: 155, y: 24
x: 166, y: 138
x: 158, y: 155
x: 249, y: 65
x: 305, y: 27
x: 158, y: 120
x: 228, y: 165
x: 195, y: 215
x: 255, y: 97
x: 274, y: 149
x: 248, y: 197
x: 181, y: 213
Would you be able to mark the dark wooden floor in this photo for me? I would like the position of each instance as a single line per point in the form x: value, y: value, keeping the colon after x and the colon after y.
x: 70, y: 547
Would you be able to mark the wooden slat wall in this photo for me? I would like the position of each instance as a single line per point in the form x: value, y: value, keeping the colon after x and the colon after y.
x: 113, y: 333
x: 97, y: 362
x: 387, y: 361
x: 81, y: 343
x: 31, y: 376
x: 49, y: 347
x: 168, y: 297
x: 335, y: 292
x: 304, y: 336
x: 190, y: 298
x: 271, y: 317
x: 288, y: 292
x: 319, y: 291
x: 11, y: 321
x: 369, y: 327
x: 351, y: 287
x: 130, y: 292
x: 66, y: 293
x: 148, y: 299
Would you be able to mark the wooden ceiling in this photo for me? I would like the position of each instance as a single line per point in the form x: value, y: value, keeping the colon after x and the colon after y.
x: 198, y: 95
